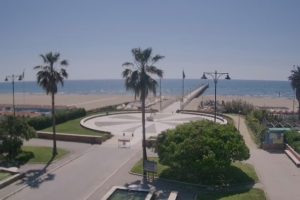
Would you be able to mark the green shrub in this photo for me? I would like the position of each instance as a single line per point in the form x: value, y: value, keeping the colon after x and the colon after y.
x: 293, y: 139
x: 42, y: 122
x: 200, y: 149
x: 255, y: 121
x: 238, y: 106
x: 13, y: 130
x: 292, y: 136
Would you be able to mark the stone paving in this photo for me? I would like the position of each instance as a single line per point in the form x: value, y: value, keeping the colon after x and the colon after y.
x: 90, y: 171
x: 86, y: 171
x: 128, y: 124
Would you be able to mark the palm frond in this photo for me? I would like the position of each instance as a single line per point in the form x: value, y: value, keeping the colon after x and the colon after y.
x: 126, y: 73
x: 139, y: 80
x: 64, y: 63
x: 157, y: 58
x: 127, y: 64
x: 38, y: 67
x: 147, y: 55
x: 63, y: 73
x: 295, y: 78
x: 154, y: 70
x: 48, y: 77
x: 44, y: 58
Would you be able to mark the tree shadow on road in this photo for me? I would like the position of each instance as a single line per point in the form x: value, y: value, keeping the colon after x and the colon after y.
x: 35, y: 177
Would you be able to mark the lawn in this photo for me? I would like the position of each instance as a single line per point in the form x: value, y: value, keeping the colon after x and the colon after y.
x: 73, y: 127
x: 39, y: 155
x: 4, y: 175
x: 238, y: 173
x: 253, y: 194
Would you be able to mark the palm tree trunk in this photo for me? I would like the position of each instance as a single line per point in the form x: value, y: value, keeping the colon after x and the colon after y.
x: 144, y: 131
x: 298, y: 109
x: 54, y: 151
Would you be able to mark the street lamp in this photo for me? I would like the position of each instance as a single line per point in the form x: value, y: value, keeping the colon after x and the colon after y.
x: 160, y: 106
x: 215, y: 76
x: 13, y: 77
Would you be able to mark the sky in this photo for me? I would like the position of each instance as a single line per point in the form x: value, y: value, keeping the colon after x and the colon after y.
x: 253, y: 40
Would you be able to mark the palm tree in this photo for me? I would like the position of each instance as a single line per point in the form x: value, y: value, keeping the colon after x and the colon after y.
x: 138, y: 79
x: 48, y: 77
x: 295, y: 83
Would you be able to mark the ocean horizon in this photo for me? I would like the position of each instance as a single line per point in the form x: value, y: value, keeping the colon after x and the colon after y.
x: 170, y: 87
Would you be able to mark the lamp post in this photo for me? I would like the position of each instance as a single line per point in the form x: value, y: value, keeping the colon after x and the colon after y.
x: 160, y: 95
x: 13, y: 77
x: 215, y: 76
x: 239, y: 120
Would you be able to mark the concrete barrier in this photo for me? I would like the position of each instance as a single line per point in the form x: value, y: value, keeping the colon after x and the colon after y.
x: 73, y: 137
x: 10, y: 180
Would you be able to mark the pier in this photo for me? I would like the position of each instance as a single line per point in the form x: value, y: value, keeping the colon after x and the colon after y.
x: 194, y: 94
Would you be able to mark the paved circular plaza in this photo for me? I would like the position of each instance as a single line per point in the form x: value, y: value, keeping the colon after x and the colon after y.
x: 130, y: 125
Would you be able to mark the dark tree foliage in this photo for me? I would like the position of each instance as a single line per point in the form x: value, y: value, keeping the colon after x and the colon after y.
x: 201, y: 149
x: 13, y: 130
x: 49, y: 77
x: 295, y: 83
x: 138, y: 78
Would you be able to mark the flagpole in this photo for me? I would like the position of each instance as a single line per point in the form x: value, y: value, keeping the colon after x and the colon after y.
x: 182, y: 89
x: 183, y: 77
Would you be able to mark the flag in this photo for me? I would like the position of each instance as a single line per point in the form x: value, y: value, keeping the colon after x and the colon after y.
x: 21, y: 77
x: 183, y: 74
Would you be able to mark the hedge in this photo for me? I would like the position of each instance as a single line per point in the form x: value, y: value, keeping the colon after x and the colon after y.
x: 254, y: 121
x: 293, y: 139
x: 42, y: 122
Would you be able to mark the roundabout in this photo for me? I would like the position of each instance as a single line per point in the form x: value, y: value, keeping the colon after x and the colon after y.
x: 129, y: 124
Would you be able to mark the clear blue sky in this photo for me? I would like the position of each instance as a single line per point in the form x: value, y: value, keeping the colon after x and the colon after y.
x: 254, y: 39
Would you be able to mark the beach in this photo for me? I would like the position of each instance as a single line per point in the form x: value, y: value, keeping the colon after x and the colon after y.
x: 272, y: 103
x: 90, y: 102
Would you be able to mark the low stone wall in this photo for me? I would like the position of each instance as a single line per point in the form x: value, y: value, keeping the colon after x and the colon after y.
x: 10, y: 180
x: 288, y: 147
x: 72, y: 137
x: 219, y: 116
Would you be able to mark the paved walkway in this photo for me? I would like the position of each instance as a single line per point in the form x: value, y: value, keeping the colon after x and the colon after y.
x: 86, y: 173
x: 91, y: 170
x: 279, y: 176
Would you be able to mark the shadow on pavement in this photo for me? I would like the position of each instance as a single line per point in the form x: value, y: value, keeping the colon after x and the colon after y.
x: 274, y: 151
x: 34, y: 177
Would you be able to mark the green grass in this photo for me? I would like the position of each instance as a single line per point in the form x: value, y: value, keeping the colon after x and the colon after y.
x: 73, y: 127
x: 247, y: 169
x: 41, y: 155
x: 253, y: 194
x: 238, y: 173
x: 4, y: 175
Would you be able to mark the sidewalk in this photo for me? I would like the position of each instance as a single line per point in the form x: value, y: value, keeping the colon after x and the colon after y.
x: 278, y: 174
x: 33, y: 171
x: 87, y: 173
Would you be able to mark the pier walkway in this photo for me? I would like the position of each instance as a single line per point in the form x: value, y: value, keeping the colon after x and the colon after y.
x: 194, y: 94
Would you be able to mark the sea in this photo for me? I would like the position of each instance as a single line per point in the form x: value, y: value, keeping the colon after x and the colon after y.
x: 169, y: 87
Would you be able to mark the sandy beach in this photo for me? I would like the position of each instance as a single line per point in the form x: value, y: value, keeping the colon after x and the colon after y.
x: 95, y: 101
x: 268, y: 102
x: 85, y: 101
